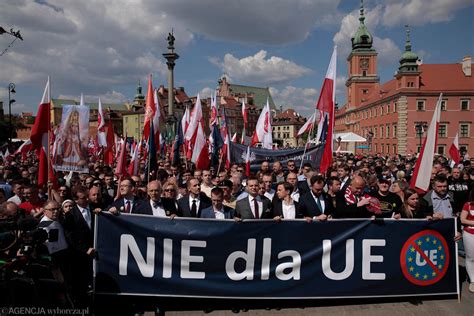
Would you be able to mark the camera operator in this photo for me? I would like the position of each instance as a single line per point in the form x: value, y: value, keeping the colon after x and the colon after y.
x: 56, y: 243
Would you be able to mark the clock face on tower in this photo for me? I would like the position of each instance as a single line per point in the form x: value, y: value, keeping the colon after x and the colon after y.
x: 364, y: 63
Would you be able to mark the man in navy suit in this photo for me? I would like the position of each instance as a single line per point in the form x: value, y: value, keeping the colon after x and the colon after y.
x: 192, y: 204
x: 127, y: 203
x: 217, y: 210
x: 314, y: 205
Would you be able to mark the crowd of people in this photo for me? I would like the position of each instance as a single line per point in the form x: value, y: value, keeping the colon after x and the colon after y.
x: 354, y: 187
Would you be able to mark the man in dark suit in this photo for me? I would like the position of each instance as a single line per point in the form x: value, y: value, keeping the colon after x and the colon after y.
x: 254, y: 206
x: 109, y: 186
x: 79, y: 230
x: 283, y: 205
x: 192, y: 204
x: 127, y: 203
x: 314, y: 205
x: 218, y: 209
x: 156, y: 205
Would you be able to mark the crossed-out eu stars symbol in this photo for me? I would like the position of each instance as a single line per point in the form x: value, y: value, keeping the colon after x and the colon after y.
x: 425, y: 258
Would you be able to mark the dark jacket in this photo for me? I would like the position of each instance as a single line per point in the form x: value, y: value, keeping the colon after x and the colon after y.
x: 184, y: 208
x: 277, y: 209
x: 309, y: 208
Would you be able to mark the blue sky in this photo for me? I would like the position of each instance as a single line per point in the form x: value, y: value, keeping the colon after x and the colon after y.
x: 103, y: 47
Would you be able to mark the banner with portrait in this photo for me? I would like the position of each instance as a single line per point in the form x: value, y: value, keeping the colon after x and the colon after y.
x: 70, y: 152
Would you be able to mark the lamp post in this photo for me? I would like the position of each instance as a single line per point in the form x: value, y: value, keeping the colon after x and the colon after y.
x: 11, y: 90
x: 420, y: 128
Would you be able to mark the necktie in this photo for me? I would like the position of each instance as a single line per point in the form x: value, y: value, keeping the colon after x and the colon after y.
x: 87, y: 217
x: 127, y: 206
x: 318, y: 201
x: 255, y: 203
x: 194, y: 209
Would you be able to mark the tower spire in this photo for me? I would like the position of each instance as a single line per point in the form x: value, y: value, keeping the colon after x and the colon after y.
x: 407, y: 42
x: 361, y: 10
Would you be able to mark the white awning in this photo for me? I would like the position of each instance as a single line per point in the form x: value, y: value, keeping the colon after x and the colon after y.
x: 349, y: 138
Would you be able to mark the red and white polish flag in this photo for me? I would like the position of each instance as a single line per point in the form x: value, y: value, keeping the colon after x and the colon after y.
x: 454, y: 150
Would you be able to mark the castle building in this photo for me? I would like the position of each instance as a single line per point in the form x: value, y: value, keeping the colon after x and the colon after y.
x: 394, y: 116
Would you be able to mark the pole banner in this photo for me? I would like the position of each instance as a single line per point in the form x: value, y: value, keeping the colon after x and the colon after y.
x: 264, y: 259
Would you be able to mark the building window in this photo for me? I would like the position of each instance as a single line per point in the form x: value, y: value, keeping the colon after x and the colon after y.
x: 443, y: 105
x: 375, y: 148
x: 388, y: 149
x: 420, y: 105
x: 394, y: 131
x: 394, y: 107
x: 387, y: 109
x: 381, y: 148
x: 381, y: 132
x: 463, y: 148
x: 464, y: 105
x: 394, y: 149
x: 364, y: 73
x: 443, y: 131
x: 441, y: 149
x: 387, y: 135
x: 365, y: 91
x: 464, y: 130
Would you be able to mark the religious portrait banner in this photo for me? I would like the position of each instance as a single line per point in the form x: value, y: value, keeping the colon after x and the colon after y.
x: 70, y: 152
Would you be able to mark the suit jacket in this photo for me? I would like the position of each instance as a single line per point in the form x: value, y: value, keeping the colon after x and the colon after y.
x: 137, y: 206
x: 243, y: 210
x: 184, y: 208
x: 78, y: 234
x: 277, y: 208
x: 309, y: 208
x: 303, y: 187
x: 209, y: 212
x: 168, y: 205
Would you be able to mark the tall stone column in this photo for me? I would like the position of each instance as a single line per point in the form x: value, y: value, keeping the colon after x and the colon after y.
x: 171, y: 119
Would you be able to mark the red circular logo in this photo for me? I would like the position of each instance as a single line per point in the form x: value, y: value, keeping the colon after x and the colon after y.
x: 425, y: 258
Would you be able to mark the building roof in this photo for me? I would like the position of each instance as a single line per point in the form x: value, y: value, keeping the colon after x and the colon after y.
x: 260, y: 95
x: 434, y: 78
x: 93, y: 106
x: 288, y: 117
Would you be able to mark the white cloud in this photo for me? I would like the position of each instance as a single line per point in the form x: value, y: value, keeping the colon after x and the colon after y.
x: 109, y: 97
x: 302, y: 100
x: 259, y: 69
x: 421, y: 12
x: 388, y: 51
x: 206, y: 92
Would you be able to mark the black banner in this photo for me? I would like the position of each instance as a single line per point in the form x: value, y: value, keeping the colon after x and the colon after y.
x: 150, y: 256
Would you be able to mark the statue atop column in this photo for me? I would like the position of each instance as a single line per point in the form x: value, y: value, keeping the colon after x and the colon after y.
x: 171, y: 40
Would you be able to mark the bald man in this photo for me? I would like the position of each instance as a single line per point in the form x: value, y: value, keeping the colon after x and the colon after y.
x: 351, y: 202
x: 156, y: 205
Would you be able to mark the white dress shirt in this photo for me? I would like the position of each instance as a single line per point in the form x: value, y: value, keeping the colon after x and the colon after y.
x: 259, y: 203
x: 295, y: 195
x: 191, y: 199
x: 270, y: 194
x: 289, y: 210
x: 157, y: 209
x: 219, y: 213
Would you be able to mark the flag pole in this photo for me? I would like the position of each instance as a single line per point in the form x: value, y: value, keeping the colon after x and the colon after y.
x: 48, y: 147
x: 306, y: 145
